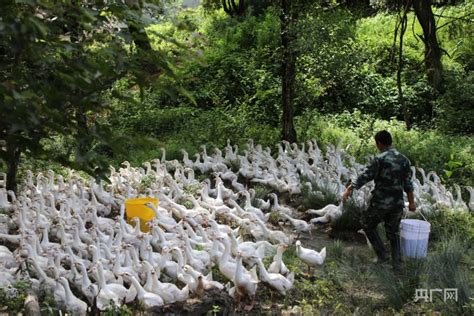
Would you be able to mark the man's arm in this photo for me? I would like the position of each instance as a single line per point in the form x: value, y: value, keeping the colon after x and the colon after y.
x: 408, y: 188
x: 367, y: 176
x: 411, y: 201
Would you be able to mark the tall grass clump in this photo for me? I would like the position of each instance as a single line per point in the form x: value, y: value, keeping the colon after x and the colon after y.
x: 350, y: 218
x: 336, y: 249
x: 399, y: 288
x: 319, y: 194
x: 261, y: 192
x: 447, y: 269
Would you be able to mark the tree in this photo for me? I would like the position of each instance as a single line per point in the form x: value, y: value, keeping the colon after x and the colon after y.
x: 288, y: 16
x: 425, y: 17
x: 57, y: 60
x: 290, y: 12
x: 433, y: 51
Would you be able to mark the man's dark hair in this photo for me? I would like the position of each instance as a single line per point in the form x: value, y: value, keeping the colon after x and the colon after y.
x: 384, y: 138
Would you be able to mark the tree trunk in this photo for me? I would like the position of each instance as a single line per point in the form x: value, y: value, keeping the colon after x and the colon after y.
x: 232, y: 8
x: 401, y: 99
x: 84, y: 144
x: 433, y: 64
x: 13, y: 160
x: 288, y: 72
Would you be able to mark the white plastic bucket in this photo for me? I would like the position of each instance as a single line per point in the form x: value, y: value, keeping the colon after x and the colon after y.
x: 414, y: 234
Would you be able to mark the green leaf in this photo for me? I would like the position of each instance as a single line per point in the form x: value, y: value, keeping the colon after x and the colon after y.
x: 41, y: 28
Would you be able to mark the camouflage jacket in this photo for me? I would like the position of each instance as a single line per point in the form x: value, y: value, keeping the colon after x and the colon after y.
x: 391, y: 173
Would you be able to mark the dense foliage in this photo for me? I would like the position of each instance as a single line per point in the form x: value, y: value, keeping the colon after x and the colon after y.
x: 345, y: 85
x: 57, y: 60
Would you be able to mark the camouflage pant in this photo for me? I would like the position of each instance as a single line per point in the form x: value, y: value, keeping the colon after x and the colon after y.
x: 391, y: 218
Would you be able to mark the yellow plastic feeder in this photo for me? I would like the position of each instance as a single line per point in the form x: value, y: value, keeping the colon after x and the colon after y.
x: 137, y: 208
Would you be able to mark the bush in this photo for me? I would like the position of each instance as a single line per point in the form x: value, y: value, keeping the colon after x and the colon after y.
x: 446, y: 224
x: 455, y: 113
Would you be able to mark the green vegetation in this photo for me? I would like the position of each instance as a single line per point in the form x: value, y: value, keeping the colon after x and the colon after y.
x: 80, y: 91
x: 13, y: 297
x: 229, y: 72
x: 345, y: 86
x: 349, y: 282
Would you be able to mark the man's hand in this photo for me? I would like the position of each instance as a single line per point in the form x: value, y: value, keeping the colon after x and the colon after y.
x: 411, y: 202
x: 346, y: 193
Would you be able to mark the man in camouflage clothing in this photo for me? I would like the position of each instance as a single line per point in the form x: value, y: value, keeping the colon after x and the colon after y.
x: 391, y: 173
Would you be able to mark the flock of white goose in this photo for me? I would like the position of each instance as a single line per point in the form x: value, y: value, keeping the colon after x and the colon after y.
x: 74, y: 237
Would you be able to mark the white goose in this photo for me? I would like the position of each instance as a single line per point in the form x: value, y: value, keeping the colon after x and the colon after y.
x: 279, y: 208
x: 73, y: 305
x: 309, y: 256
x: 245, y: 283
x: 299, y: 225
x: 252, y: 209
x: 471, y: 198
x: 278, y: 266
x: 205, y: 281
x: 148, y: 299
x: 89, y: 289
x: 108, y: 293
x: 329, y: 213
x: 274, y: 236
x: 169, y: 292
x: 275, y: 281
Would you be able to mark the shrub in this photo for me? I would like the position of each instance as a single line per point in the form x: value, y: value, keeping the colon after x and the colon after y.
x: 445, y: 224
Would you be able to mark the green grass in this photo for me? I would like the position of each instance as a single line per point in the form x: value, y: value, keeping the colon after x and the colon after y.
x: 399, y: 288
x: 448, y: 268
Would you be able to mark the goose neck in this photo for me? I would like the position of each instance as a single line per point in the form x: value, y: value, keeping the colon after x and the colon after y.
x: 226, y: 253
x: 238, y: 268
x: 157, y: 231
x: 117, y: 265
x: 133, y: 255
x: 262, y: 269
x: 202, y: 233
x: 187, y: 250
x: 95, y: 254
x: 39, y: 270
x: 262, y: 225
x: 233, y: 243
x: 127, y: 261
x: 85, y: 278
x: 67, y: 289
x: 100, y: 274
x: 45, y: 239
x: 137, y: 285
x: 137, y: 230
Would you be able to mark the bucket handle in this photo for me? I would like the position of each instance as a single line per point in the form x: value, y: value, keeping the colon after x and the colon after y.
x: 421, y: 213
